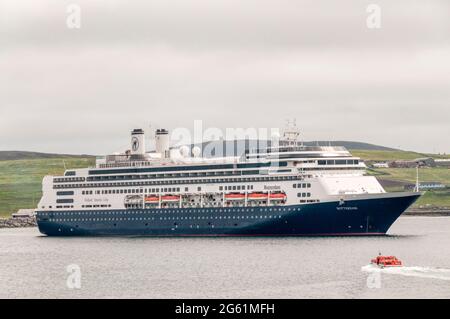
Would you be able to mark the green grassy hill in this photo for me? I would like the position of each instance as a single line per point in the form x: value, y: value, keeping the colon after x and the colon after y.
x: 23, y: 155
x: 20, y: 180
x: 393, y: 179
x: 377, y: 155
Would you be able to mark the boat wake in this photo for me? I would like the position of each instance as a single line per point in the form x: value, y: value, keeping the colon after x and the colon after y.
x: 422, y: 272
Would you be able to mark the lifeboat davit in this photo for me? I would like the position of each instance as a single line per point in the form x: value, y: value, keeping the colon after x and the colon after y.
x: 386, y: 261
x: 152, y: 199
x: 234, y: 196
x: 170, y: 198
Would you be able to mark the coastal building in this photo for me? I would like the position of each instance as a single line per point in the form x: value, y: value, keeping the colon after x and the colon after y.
x: 23, y: 213
x: 421, y: 162
x: 381, y: 165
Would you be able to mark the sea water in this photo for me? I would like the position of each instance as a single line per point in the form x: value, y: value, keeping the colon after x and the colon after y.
x: 36, y: 266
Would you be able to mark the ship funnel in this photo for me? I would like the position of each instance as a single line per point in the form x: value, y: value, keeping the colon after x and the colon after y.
x: 137, y: 142
x: 162, y: 142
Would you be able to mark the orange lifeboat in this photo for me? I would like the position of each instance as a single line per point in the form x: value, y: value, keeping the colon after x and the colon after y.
x: 170, y: 198
x: 386, y: 261
x: 277, y: 196
x: 255, y: 196
x: 234, y: 196
x: 151, y: 199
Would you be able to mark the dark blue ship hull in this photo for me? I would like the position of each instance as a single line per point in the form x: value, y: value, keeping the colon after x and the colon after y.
x: 358, y: 216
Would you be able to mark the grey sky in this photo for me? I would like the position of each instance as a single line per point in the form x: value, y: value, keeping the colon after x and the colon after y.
x: 230, y: 63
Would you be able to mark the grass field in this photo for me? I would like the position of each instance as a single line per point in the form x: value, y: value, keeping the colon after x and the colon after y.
x: 392, y: 155
x: 20, y: 180
x: 439, y: 198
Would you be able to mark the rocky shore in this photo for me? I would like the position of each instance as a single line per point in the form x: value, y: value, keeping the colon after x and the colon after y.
x: 433, y: 211
x: 17, y: 222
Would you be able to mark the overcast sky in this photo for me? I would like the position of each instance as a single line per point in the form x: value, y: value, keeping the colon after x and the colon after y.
x: 230, y: 63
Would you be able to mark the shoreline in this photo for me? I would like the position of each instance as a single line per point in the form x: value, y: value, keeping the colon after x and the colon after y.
x: 431, y: 212
x: 23, y: 222
x: 18, y: 222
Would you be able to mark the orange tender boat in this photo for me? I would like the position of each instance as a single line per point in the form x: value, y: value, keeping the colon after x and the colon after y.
x: 386, y: 261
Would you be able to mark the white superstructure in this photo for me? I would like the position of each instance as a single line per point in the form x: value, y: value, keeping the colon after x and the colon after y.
x: 285, y: 174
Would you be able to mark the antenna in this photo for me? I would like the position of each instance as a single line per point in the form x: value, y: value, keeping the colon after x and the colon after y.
x: 64, y: 163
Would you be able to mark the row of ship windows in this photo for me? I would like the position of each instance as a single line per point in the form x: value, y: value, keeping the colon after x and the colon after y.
x: 162, y: 218
x: 136, y: 191
x: 171, y: 211
x: 199, y: 181
x: 155, y: 176
x: 303, y: 194
x: 169, y: 189
x: 338, y: 162
x: 136, y: 206
x: 302, y: 185
x: 171, y: 175
x: 235, y: 188
x: 95, y: 206
x: 68, y: 179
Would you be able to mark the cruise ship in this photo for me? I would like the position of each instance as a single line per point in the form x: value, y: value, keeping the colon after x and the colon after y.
x: 285, y: 189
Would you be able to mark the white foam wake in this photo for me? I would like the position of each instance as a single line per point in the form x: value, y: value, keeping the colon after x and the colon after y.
x: 422, y: 272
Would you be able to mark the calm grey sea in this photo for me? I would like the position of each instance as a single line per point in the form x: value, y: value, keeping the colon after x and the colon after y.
x: 32, y: 265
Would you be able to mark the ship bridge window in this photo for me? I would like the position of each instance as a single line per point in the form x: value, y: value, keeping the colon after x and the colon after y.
x: 341, y: 162
x: 322, y: 162
x: 64, y: 200
x: 64, y: 193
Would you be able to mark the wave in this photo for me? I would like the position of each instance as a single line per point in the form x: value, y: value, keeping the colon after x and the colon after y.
x: 413, y: 271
